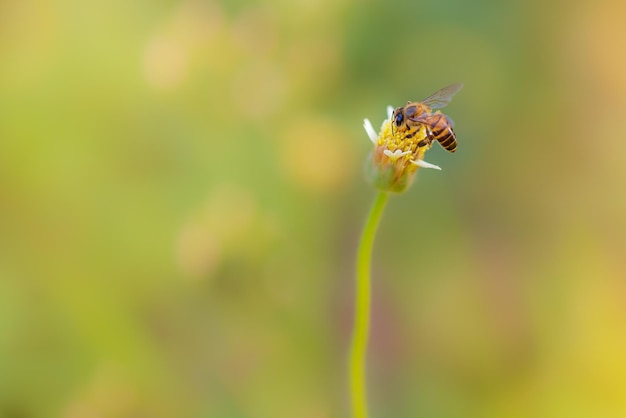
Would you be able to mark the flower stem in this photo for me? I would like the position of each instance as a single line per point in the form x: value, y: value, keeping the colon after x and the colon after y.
x: 360, y: 334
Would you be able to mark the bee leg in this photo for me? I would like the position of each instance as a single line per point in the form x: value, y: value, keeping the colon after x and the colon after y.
x: 430, y: 138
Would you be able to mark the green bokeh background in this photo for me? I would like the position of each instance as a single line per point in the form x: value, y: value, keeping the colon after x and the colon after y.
x: 181, y: 195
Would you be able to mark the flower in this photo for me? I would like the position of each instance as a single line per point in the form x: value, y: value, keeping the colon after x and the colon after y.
x: 396, y: 157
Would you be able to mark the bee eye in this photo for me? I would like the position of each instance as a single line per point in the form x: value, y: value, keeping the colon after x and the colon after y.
x: 399, y: 117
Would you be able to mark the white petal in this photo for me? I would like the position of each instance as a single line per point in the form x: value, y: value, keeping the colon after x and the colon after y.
x: 370, y: 130
x: 389, y: 112
x: 393, y: 156
x: 424, y: 164
x: 382, y: 125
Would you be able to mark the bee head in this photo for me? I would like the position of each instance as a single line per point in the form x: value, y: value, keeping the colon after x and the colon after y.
x: 398, y: 116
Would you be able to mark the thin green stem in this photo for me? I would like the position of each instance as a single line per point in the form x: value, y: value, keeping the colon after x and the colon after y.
x: 360, y: 334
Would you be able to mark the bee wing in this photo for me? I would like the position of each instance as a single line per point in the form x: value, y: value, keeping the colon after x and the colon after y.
x: 426, y: 119
x: 423, y: 118
x: 442, y: 97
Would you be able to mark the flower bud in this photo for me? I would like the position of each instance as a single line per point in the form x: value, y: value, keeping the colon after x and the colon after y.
x: 392, y: 164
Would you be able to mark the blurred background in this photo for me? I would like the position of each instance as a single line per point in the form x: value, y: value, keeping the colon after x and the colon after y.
x: 181, y: 195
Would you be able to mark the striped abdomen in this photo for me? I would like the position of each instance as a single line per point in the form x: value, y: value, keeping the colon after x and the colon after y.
x: 441, y: 130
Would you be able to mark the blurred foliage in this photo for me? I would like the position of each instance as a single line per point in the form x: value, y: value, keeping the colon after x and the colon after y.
x: 181, y: 195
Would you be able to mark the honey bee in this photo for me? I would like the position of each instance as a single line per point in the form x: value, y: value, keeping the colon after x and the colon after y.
x: 438, y: 126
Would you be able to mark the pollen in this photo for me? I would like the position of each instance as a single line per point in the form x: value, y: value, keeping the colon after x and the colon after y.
x: 403, y: 141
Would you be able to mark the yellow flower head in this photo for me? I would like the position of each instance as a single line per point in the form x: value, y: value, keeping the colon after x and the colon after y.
x: 396, y: 157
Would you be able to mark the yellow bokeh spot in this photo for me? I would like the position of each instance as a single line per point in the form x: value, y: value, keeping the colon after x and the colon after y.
x: 229, y: 225
x: 165, y: 63
x: 317, y: 156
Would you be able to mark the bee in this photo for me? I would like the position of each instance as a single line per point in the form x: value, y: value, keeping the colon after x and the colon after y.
x: 438, y: 126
